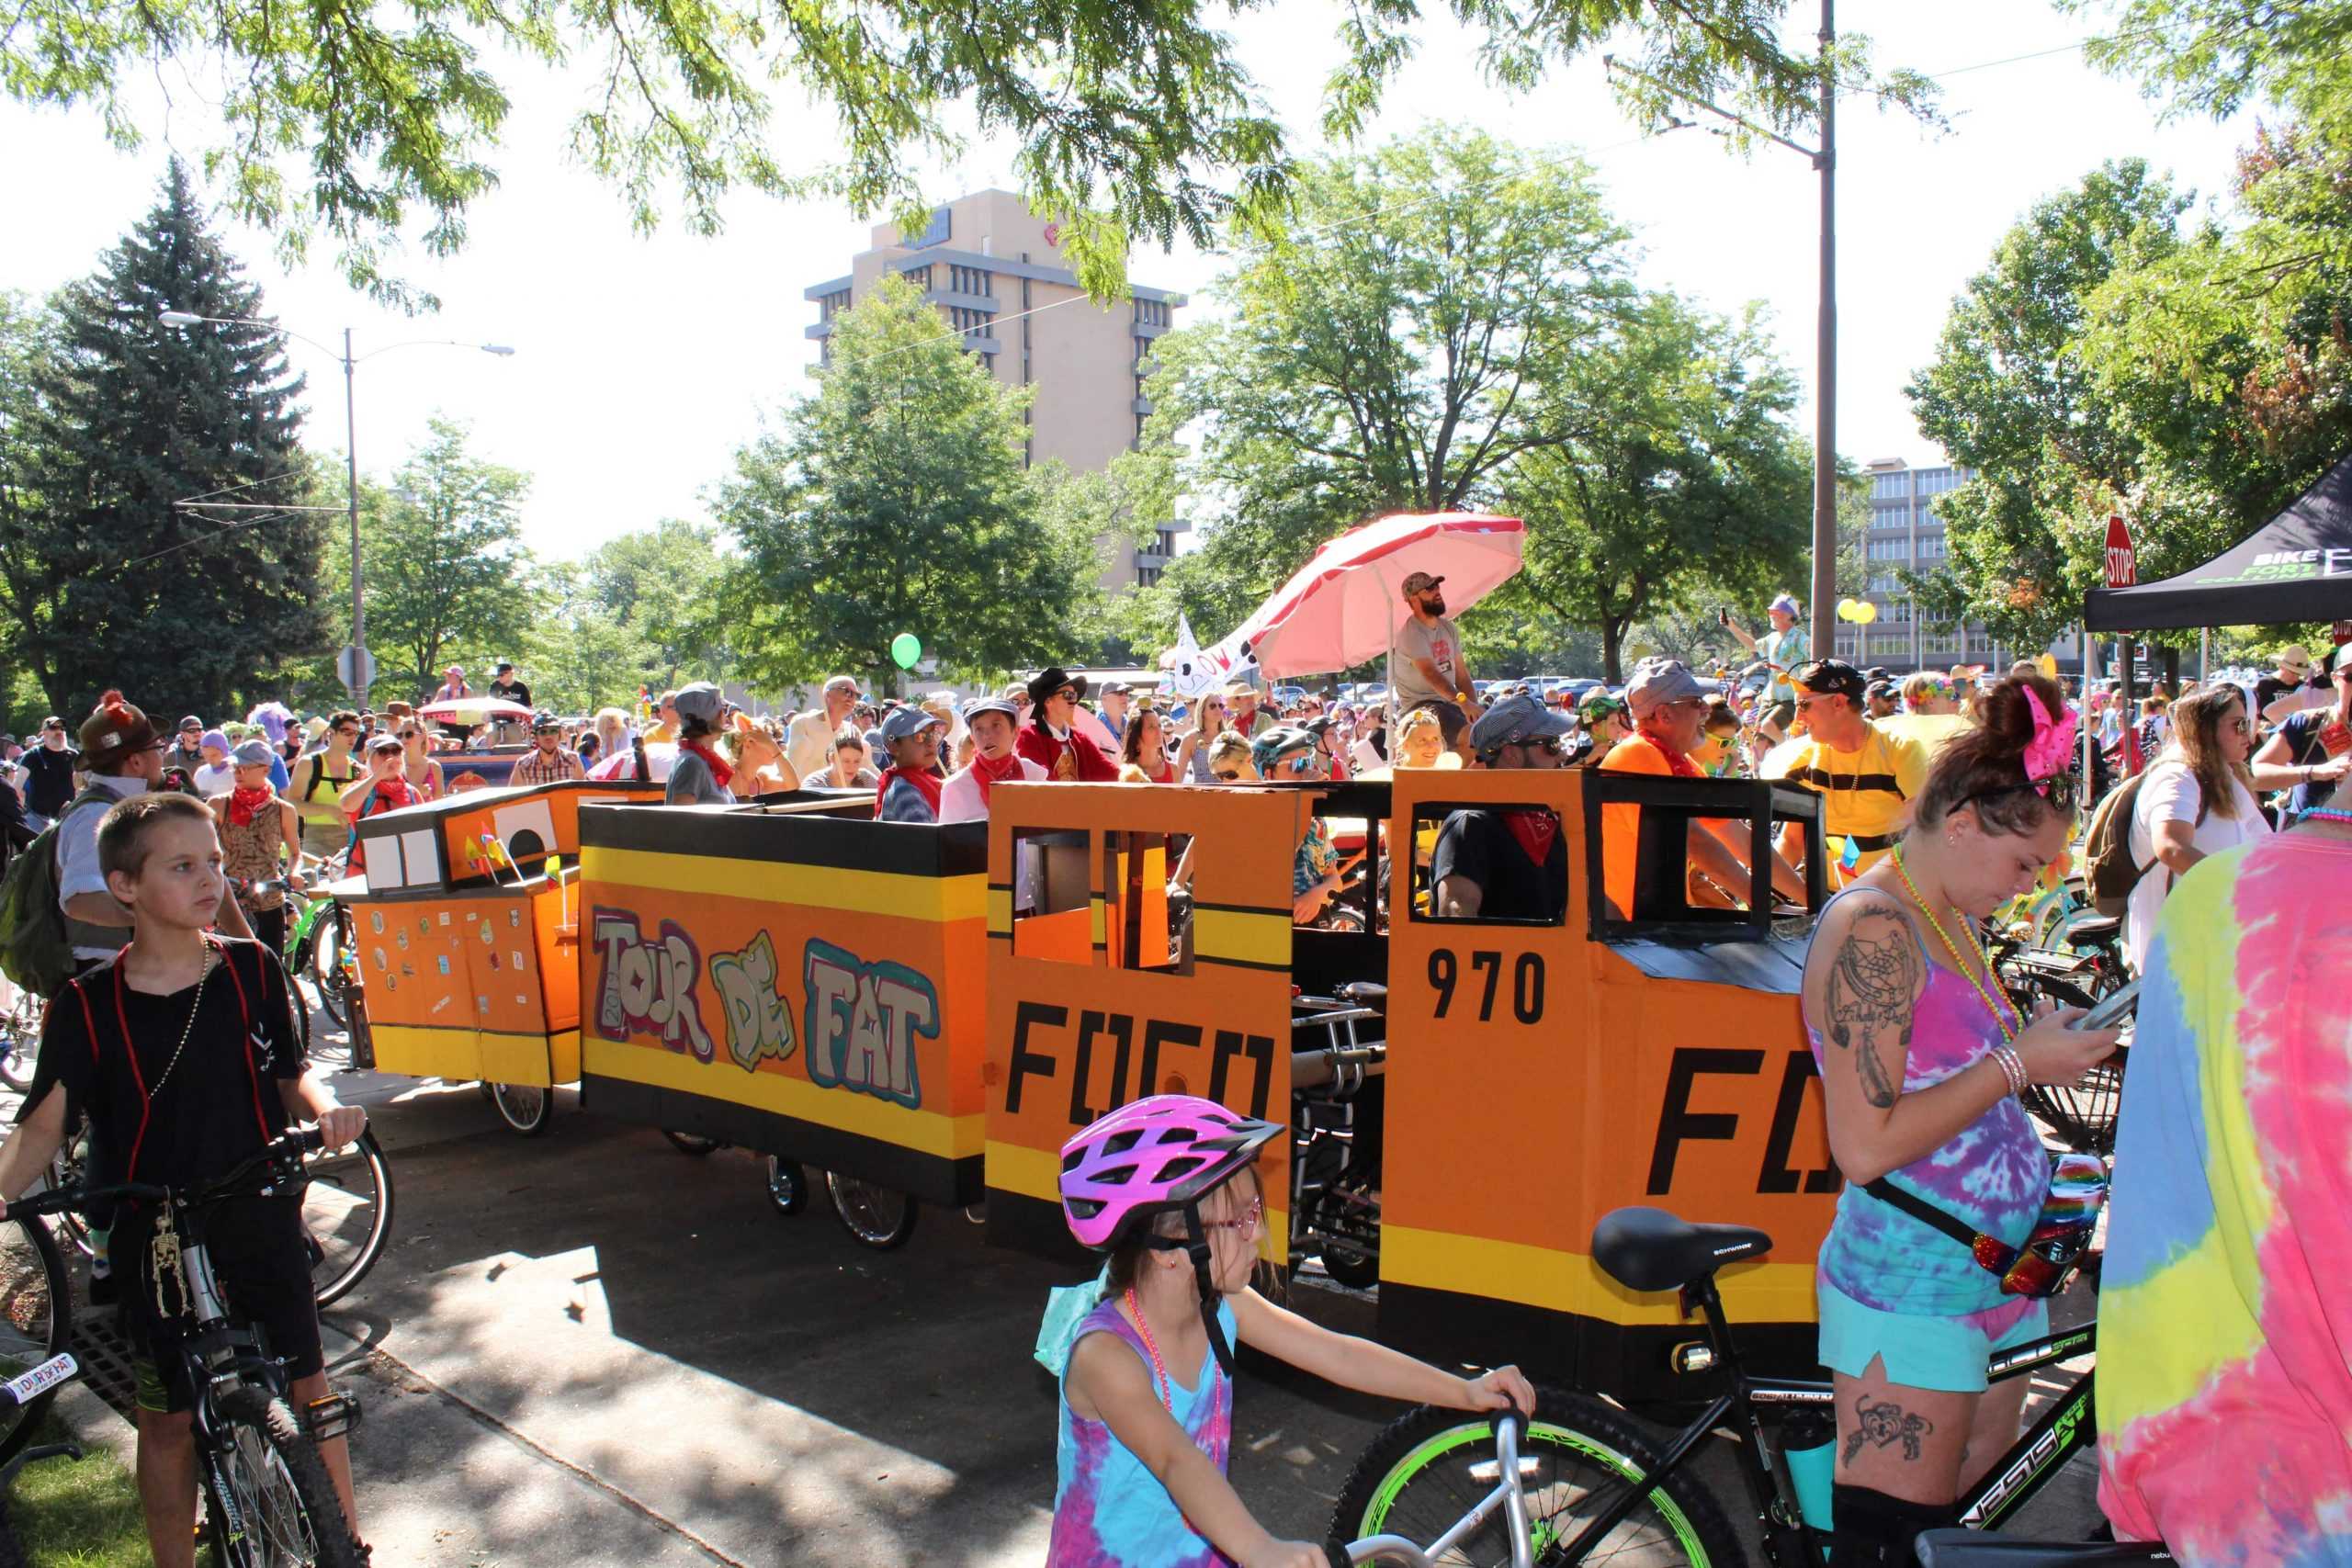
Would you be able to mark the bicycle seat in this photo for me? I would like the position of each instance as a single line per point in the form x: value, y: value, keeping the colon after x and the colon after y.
x: 1982, y: 1549
x: 1649, y: 1249
x: 2097, y: 932
x: 1364, y: 992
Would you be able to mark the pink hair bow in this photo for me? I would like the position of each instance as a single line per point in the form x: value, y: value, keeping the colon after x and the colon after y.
x: 2052, y: 746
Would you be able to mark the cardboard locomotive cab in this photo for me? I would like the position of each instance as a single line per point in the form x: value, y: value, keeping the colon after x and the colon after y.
x: 793, y: 977
x: 1539, y: 1073
x: 467, y: 948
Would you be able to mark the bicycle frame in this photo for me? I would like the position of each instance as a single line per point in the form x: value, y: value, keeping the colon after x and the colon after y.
x: 1507, y: 1495
x: 2012, y: 1481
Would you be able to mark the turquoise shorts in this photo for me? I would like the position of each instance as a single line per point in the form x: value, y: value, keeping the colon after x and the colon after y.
x: 1946, y: 1353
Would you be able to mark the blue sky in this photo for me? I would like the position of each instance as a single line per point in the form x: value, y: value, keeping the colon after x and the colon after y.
x: 643, y: 362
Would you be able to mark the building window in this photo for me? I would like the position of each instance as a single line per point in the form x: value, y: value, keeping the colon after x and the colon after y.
x: 1887, y: 487
x: 1895, y: 517
x: 1164, y: 541
x: 918, y: 275
x: 970, y: 280
x: 832, y: 304
x: 1890, y: 550
x: 1932, y: 547
x: 1151, y: 312
x: 974, y: 324
x: 1147, y: 576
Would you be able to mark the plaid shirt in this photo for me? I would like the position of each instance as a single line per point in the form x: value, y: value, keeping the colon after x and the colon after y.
x: 532, y: 769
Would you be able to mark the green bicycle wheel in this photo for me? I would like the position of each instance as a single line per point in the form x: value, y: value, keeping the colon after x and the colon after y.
x: 1430, y: 1467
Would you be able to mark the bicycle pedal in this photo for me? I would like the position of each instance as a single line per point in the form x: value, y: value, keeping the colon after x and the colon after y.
x: 336, y: 1416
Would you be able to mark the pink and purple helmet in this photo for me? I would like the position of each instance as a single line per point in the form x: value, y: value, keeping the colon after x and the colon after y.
x: 1152, y: 1156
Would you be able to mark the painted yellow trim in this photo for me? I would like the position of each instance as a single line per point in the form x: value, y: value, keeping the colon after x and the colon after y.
x: 925, y: 1131
x: 462, y: 1054
x: 1571, y: 1283
x: 1036, y: 1173
x: 941, y: 899
x: 1098, y: 922
x: 1000, y: 911
x: 1259, y: 937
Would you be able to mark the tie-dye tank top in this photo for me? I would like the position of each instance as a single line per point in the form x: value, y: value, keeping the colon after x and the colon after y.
x: 1111, y: 1512
x: 2225, y: 1380
x: 1991, y: 1174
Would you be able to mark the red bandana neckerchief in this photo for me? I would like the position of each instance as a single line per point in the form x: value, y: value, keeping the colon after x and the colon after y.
x: 720, y: 770
x: 927, y: 784
x: 246, y: 803
x: 987, y: 774
x: 395, y: 792
x: 1534, y: 830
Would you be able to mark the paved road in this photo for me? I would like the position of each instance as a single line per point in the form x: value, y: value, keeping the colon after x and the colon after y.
x: 588, y: 1349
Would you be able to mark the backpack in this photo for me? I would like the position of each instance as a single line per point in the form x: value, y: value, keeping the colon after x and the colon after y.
x: 2110, y: 873
x: 35, y: 951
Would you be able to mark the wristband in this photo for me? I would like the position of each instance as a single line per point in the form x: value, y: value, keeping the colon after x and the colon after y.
x: 2012, y: 1065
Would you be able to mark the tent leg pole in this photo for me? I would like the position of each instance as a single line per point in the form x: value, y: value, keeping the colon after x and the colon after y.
x: 2083, y: 709
x: 2204, y: 654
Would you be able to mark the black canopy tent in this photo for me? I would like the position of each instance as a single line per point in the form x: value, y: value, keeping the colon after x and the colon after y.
x: 2296, y: 567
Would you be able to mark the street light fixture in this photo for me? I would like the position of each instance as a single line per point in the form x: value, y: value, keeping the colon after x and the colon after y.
x: 356, y: 673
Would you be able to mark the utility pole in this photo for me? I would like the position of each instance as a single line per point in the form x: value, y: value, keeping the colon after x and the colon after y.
x: 359, y: 670
x: 1825, y: 431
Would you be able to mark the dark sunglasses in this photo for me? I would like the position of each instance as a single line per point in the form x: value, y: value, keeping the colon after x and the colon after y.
x: 1068, y: 694
x: 1228, y: 778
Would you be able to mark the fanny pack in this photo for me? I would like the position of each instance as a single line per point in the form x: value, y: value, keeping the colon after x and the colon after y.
x: 2053, y: 1252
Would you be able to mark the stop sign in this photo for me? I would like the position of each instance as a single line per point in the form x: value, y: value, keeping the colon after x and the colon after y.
x: 2122, y: 565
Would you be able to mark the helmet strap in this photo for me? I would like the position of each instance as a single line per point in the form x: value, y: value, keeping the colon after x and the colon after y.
x: 1197, y: 1243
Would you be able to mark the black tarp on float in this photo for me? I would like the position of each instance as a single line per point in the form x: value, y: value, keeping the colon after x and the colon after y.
x: 2296, y: 567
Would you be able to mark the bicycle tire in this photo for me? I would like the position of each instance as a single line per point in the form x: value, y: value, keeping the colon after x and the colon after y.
x: 523, y: 1114
x: 1586, y: 1452
x: 877, y: 1217
x: 2082, y: 1114
x: 693, y: 1145
x: 331, y: 960
x: 289, y: 1498
x: 360, y: 1212
x: 65, y: 1170
x: 36, y: 1319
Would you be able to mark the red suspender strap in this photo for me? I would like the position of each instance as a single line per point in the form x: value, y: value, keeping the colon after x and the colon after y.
x: 245, y: 1032
x: 130, y: 1054
x: 89, y: 1020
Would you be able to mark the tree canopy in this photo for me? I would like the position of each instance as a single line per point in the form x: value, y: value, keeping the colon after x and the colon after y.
x: 446, y: 573
x: 1129, y: 121
x: 893, y: 499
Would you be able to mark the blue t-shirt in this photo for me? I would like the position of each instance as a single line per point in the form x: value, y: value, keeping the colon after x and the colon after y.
x: 1109, y: 1511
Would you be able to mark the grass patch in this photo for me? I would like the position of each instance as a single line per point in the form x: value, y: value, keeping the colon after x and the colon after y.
x: 81, y: 1515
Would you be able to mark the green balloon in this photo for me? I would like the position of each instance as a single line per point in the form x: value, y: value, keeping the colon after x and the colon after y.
x: 905, y: 648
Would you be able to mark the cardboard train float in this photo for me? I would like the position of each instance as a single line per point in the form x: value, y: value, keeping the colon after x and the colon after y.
x: 925, y: 1013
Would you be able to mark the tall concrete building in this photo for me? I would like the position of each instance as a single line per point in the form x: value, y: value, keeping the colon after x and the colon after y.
x: 996, y: 273
x: 1907, y: 532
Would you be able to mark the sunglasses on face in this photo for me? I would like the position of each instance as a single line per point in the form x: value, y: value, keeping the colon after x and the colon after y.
x: 1551, y: 743
x: 1068, y: 694
x: 2060, y: 790
x: 1243, y: 1226
x: 1228, y: 778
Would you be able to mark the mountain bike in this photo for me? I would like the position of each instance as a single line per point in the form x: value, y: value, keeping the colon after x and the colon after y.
x: 346, y: 1209
x: 18, y: 1396
x: 1596, y: 1487
x: 20, y: 1023
x: 2081, y: 1113
x: 265, y: 1489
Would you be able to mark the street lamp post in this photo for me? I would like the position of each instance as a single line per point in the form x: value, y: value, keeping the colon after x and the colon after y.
x: 358, y: 675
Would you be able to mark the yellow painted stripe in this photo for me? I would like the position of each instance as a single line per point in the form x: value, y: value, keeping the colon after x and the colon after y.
x: 1000, y: 911
x: 1037, y: 1173
x: 925, y: 1131
x: 1570, y: 1282
x: 1098, y: 921
x: 492, y: 1055
x: 1254, y: 937
x: 825, y: 888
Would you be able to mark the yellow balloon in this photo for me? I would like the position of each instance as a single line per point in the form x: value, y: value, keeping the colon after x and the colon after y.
x: 2049, y: 664
x: 1845, y: 609
x: 1865, y: 612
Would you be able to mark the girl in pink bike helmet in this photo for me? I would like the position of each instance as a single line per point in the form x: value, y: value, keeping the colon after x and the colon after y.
x: 1169, y: 1187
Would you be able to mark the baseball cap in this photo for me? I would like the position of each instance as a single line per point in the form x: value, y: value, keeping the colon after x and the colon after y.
x: 1420, y: 582
x: 251, y: 754
x: 1887, y: 689
x: 1657, y: 681
x: 383, y: 743
x: 1598, y: 703
x: 1786, y: 605
x: 545, y: 720
x: 52, y: 722
x: 504, y: 666
x: 980, y: 705
x: 1830, y: 678
x: 699, y: 700
x: 1514, y: 721
x: 190, y: 722
x: 909, y: 720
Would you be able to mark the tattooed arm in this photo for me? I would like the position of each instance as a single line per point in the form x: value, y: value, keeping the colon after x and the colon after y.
x: 1862, y: 980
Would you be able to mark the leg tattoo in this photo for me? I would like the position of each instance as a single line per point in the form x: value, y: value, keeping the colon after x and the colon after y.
x: 1884, y: 1424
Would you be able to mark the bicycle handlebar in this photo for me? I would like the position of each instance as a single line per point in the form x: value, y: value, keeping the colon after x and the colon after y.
x: 292, y: 1145
x: 1508, y: 1424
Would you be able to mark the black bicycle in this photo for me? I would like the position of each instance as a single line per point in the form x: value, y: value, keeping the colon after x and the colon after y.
x: 36, y: 1321
x: 1596, y: 1488
x: 267, y: 1495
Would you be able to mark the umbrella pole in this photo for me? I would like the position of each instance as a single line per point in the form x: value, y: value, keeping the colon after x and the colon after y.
x: 2205, y: 653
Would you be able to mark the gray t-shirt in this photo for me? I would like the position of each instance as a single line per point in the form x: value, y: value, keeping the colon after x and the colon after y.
x: 690, y: 784
x: 1439, y: 644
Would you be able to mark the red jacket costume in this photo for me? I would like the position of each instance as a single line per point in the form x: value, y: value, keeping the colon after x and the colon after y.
x: 1075, y: 761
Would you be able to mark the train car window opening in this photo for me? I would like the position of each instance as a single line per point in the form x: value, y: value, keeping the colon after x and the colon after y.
x: 1489, y: 864
x: 1638, y: 831
x: 1054, y: 913
x: 1146, y: 928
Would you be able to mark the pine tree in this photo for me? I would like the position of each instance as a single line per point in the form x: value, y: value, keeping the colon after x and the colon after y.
x: 105, y: 581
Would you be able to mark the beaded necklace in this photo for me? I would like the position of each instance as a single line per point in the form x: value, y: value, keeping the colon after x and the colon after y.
x: 2327, y: 814
x: 1159, y: 1367
x: 2008, y: 1034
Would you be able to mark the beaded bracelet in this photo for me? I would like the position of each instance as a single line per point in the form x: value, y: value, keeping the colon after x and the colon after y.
x: 2012, y: 1066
